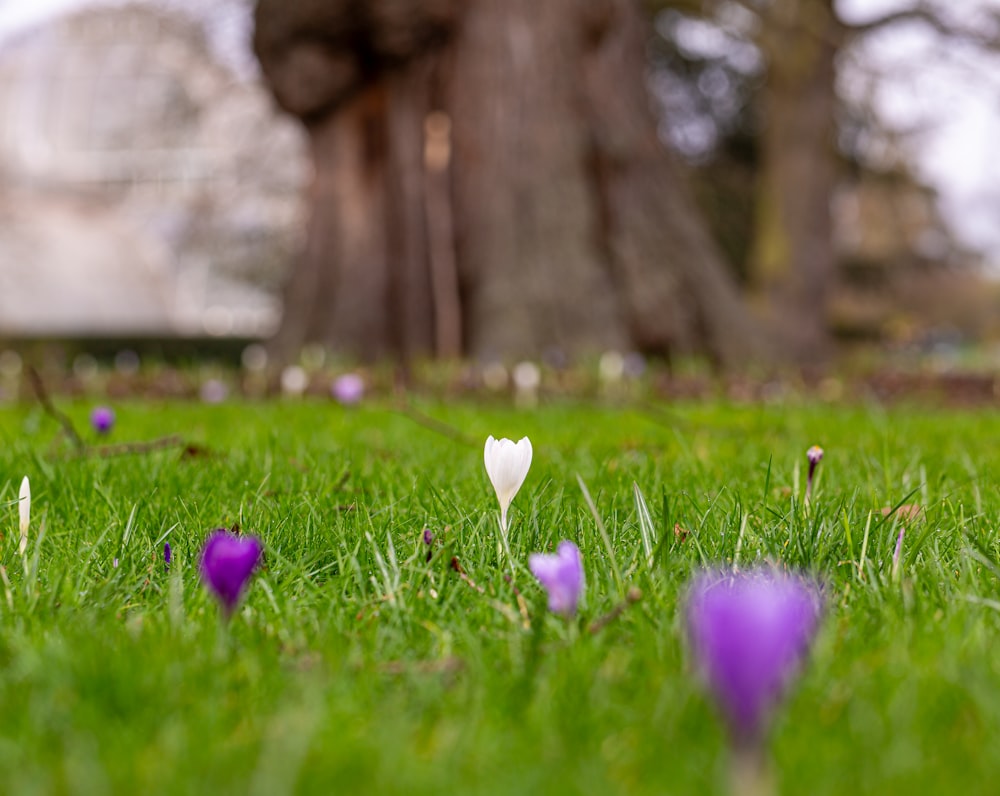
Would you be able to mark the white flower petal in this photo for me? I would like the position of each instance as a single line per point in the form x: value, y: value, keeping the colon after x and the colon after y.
x: 507, y: 466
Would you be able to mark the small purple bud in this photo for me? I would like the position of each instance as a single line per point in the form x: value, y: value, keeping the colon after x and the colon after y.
x: 348, y: 389
x: 102, y: 419
x: 167, y: 555
x: 115, y: 563
x: 227, y: 562
x: 561, y: 575
x: 428, y: 538
x: 749, y: 633
x: 815, y: 456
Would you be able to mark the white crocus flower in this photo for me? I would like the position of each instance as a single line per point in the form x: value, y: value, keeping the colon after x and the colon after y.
x: 507, y: 466
x: 24, y: 510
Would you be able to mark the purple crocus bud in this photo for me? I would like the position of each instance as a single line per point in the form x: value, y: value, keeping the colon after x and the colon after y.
x: 561, y: 575
x: 428, y: 538
x: 102, y: 419
x: 749, y: 633
x: 348, y: 389
x: 227, y: 562
x: 167, y: 555
x: 815, y: 456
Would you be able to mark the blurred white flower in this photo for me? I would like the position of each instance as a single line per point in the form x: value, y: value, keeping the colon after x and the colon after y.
x: 495, y: 376
x: 294, y: 380
x: 507, y: 466
x: 24, y: 510
x: 527, y: 377
x: 611, y: 367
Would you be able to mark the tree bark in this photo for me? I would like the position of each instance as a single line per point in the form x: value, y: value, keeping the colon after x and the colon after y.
x: 490, y: 168
x: 532, y: 271
x: 678, y: 293
x: 363, y: 282
x: 794, y: 258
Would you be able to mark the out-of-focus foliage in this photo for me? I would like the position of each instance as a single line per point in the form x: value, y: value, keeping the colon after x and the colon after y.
x: 893, y: 246
x: 706, y: 74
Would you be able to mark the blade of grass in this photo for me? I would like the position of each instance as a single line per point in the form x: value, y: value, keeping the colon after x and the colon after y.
x: 615, y: 570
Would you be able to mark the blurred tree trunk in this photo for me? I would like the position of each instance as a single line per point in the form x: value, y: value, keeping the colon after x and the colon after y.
x: 794, y: 259
x: 489, y: 179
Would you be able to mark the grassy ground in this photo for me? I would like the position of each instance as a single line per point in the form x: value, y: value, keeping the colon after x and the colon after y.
x: 356, y: 666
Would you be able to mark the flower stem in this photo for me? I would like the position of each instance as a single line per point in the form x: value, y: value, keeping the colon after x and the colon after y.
x: 750, y: 773
x: 506, y: 544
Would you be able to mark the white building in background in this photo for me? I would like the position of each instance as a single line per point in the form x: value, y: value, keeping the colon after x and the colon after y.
x: 145, y: 189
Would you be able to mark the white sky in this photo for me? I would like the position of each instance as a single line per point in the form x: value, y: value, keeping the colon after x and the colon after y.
x: 948, y: 95
x: 17, y: 13
x: 945, y: 91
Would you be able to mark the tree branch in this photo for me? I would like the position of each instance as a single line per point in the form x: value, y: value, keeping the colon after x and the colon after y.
x: 926, y: 15
x: 38, y: 385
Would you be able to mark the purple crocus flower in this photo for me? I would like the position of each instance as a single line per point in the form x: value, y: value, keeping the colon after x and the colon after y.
x: 561, y: 575
x: 348, y: 389
x: 227, y: 562
x: 749, y: 633
x: 102, y: 419
x: 815, y: 456
x: 213, y: 391
x: 167, y: 555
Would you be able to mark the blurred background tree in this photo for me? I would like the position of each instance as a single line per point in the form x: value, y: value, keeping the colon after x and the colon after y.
x: 489, y: 180
x: 494, y: 179
x: 813, y: 201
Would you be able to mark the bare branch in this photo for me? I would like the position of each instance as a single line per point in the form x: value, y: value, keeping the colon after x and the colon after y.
x: 43, y: 398
x: 926, y: 15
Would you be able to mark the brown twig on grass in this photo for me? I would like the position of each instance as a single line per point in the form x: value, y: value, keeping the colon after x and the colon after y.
x: 407, y: 409
x: 450, y: 665
x: 104, y: 451
x: 522, y: 606
x: 126, y: 448
x: 455, y: 565
x: 42, y: 394
x: 633, y: 596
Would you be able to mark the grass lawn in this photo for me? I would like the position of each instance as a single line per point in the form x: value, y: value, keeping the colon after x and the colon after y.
x: 355, y: 666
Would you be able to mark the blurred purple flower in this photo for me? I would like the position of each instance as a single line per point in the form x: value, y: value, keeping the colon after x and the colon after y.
x: 213, y: 391
x: 102, y: 419
x: 227, y: 562
x: 815, y: 456
x: 429, y: 541
x: 635, y: 364
x: 348, y: 389
x: 749, y: 633
x: 561, y: 575
x: 167, y: 555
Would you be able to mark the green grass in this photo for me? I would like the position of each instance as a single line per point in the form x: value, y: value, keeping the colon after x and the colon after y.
x: 355, y: 666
